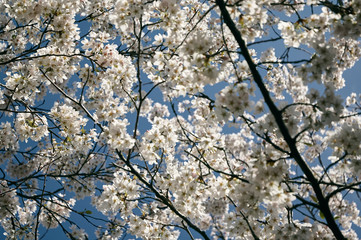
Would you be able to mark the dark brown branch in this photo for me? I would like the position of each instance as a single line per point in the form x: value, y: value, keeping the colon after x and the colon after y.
x: 162, y: 198
x: 294, y: 153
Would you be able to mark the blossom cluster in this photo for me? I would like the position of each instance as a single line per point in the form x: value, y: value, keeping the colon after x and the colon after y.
x: 179, y: 118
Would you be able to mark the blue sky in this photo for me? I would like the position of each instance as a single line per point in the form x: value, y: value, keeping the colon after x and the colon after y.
x: 353, y: 84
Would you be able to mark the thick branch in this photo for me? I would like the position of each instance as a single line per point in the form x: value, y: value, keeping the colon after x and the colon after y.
x: 323, y: 203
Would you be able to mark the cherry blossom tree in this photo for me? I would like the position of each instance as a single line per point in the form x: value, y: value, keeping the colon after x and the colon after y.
x: 179, y: 118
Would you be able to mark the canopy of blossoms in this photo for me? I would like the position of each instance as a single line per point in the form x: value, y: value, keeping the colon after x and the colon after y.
x: 176, y: 119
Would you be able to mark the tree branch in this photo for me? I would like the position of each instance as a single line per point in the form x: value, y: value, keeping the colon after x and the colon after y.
x: 294, y: 153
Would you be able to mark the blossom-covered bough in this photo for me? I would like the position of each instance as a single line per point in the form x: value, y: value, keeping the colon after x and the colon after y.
x: 179, y: 119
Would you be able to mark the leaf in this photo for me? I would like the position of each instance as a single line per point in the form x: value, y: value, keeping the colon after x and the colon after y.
x: 314, y: 198
x: 321, y: 215
x: 241, y: 20
x: 271, y: 162
x: 88, y: 212
x: 31, y: 123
